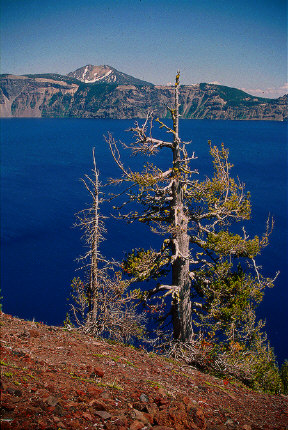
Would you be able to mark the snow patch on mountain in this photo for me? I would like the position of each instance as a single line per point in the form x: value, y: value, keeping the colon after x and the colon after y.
x: 85, y: 72
x: 97, y: 77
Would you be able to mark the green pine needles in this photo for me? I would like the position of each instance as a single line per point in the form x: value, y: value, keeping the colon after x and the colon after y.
x: 205, y: 283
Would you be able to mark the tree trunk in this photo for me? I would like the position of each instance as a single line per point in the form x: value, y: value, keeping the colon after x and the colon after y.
x: 93, y: 305
x: 181, y: 306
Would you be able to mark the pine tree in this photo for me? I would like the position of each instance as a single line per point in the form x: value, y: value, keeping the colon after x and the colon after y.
x: 216, y: 283
x: 194, y: 218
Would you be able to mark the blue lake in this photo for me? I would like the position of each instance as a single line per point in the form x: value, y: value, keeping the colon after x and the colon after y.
x: 42, y: 161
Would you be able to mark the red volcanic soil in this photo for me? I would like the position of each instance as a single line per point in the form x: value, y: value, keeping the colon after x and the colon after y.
x: 52, y: 378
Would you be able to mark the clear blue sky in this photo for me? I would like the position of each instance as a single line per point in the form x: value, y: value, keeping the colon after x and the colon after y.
x: 239, y: 43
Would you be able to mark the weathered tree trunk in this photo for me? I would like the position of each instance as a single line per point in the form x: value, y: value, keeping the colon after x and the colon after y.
x: 94, y: 250
x: 181, y: 308
x: 93, y: 229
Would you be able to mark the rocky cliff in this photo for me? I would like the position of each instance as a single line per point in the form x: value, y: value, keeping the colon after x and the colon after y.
x: 90, y: 93
x: 22, y: 96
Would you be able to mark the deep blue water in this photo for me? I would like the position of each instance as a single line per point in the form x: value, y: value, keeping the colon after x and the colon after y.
x: 41, y: 163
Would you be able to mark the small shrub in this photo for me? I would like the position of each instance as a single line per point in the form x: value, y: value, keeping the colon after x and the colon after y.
x: 284, y: 376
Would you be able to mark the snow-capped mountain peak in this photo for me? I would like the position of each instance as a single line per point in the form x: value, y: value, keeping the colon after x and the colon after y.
x: 90, y: 74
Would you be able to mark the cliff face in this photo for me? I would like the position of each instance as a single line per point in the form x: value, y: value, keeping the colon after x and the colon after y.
x: 21, y: 96
x: 60, y: 96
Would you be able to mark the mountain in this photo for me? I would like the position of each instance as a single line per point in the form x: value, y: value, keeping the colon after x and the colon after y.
x: 105, y: 74
x: 104, y: 92
x: 54, y: 378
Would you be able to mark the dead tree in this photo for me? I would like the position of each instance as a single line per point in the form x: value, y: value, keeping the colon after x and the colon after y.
x: 102, y: 304
x: 91, y: 222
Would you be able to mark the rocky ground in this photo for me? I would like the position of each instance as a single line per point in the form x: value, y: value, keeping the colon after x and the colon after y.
x: 52, y: 378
